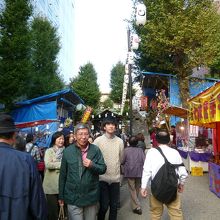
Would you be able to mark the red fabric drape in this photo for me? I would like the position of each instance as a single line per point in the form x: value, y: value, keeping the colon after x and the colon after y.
x: 216, y: 139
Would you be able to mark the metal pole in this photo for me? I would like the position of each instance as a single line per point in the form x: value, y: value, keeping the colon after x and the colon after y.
x: 130, y: 81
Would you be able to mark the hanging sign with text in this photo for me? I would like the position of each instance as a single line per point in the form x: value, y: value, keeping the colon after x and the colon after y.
x: 205, y: 107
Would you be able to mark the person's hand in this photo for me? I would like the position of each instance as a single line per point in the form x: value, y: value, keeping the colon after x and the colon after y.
x: 87, y: 163
x: 144, y: 193
x: 180, y: 188
x: 61, y: 202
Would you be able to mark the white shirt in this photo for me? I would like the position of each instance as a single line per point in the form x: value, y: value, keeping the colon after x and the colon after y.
x: 154, y: 161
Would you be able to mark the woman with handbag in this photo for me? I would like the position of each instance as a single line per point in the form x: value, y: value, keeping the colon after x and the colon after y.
x: 52, y: 159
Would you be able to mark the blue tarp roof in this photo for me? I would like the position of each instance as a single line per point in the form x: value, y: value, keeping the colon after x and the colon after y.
x: 43, y: 109
x: 68, y: 94
x: 35, y: 112
x: 171, y: 75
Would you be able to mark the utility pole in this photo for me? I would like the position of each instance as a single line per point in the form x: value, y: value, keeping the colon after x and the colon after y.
x: 132, y: 45
x: 130, y: 80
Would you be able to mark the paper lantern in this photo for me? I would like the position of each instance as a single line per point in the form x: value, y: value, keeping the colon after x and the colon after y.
x: 140, y: 14
x: 80, y: 107
x: 126, y: 68
x: 130, y: 58
x: 126, y: 78
x: 134, y: 41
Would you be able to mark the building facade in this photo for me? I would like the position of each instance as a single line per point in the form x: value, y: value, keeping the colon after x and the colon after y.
x: 61, y: 14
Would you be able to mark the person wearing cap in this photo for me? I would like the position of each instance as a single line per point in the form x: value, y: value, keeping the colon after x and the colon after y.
x: 21, y: 193
x: 81, y: 165
x: 112, y: 148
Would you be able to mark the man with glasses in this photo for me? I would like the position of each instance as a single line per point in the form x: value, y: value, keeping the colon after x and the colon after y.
x: 81, y: 165
x: 112, y: 148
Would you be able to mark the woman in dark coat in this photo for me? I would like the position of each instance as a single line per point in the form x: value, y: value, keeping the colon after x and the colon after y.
x: 133, y: 162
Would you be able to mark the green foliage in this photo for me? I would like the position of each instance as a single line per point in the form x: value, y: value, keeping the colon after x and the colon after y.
x: 86, y: 86
x: 214, y: 72
x: 126, y: 110
x: 14, y: 50
x: 108, y: 103
x: 178, y: 36
x: 45, y: 47
x: 116, y: 82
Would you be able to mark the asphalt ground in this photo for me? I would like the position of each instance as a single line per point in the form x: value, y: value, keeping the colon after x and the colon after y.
x: 198, y: 202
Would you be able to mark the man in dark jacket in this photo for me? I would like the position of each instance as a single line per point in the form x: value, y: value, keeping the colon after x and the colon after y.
x: 81, y: 165
x: 21, y: 193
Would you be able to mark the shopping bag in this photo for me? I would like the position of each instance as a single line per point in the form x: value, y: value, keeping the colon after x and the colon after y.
x: 41, y: 166
x: 61, y: 213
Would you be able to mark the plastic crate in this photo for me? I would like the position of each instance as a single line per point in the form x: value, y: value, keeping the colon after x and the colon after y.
x: 196, y: 171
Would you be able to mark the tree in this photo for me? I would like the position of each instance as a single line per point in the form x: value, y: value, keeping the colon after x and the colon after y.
x: 116, y: 82
x: 108, y: 103
x: 14, y: 50
x: 44, y: 50
x: 86, y: 86
x: 178, y: 36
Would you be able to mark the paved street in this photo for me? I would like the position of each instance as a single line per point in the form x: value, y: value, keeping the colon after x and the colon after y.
x: 197, y: 201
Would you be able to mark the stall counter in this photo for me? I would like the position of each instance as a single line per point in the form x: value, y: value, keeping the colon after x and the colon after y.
x: 194, y: 159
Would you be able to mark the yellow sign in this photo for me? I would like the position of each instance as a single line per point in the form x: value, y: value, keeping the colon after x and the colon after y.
x: 205, y: 107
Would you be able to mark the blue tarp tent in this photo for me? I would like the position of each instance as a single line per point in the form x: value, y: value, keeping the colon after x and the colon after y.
x: 45, y: 113
x: 35, y: 114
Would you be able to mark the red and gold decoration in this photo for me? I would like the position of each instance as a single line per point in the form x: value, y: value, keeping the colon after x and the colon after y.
x: 86, y: 114
x: 144, y: 105
x: 205, y: 107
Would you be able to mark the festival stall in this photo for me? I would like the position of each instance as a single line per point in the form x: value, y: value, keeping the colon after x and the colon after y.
x: 164, y: 99
x: 182, y: 136
x: 186, y: 134
x: 205, y: 112
x: 44, y: 115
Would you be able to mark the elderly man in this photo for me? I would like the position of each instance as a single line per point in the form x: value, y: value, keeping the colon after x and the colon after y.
x: 81, y: 165
x: 21, y: 193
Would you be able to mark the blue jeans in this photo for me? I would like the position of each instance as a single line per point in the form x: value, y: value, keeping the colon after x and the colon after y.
x: 109, y: 195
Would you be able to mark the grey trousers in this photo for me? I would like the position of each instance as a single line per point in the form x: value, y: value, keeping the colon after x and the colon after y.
x: 82, y: 213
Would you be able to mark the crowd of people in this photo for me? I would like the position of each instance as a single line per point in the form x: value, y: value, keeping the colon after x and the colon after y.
x: 81, y: 173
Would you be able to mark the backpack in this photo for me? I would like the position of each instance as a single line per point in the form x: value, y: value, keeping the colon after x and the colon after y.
x: 164, y: 184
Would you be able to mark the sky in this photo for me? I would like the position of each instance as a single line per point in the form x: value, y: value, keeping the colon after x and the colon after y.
x: 100, y: 36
